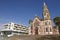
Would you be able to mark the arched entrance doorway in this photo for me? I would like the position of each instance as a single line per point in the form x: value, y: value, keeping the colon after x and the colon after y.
x: 36, y: 30
x: 36, y: 26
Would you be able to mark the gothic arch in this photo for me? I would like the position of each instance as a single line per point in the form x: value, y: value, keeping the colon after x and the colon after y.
x: 36, y: 24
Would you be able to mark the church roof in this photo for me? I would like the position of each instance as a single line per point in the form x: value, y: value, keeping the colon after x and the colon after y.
x: 36, y: 16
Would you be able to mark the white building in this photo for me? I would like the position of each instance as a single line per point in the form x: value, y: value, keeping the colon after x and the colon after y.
x: 13, y: 28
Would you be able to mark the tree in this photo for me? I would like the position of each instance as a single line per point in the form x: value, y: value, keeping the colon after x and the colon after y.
x: 30, y: 21
x: 57, y: 22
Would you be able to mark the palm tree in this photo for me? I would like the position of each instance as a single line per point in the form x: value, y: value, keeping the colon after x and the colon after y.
x: 57, y: 22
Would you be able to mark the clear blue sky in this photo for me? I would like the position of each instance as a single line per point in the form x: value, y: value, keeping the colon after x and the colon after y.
x: 20, y: 11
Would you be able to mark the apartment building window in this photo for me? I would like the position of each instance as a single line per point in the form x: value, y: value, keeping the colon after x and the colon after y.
x: 9, y: 27
x: 6, y: 27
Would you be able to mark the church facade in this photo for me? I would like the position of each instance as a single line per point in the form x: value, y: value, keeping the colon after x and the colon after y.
x: 41, y: 26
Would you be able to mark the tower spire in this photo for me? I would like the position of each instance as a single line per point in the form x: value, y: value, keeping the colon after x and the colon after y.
x: 45, y: 6
x: 46, y: 14
x: 44, y: 3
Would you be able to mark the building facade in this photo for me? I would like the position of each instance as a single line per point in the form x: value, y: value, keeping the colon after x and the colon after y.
x: 41, y: 26
x: 37, y: 26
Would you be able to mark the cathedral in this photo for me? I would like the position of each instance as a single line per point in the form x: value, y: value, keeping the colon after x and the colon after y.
x: 42, y: 26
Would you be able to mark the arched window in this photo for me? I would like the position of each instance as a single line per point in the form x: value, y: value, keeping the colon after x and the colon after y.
x: 50, y: 29
x: 46, y: 23
x: 46, y: 29
x: 36, y: 24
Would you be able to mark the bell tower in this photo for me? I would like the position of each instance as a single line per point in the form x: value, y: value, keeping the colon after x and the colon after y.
x: 46, y: 14
x: 47, y: 20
